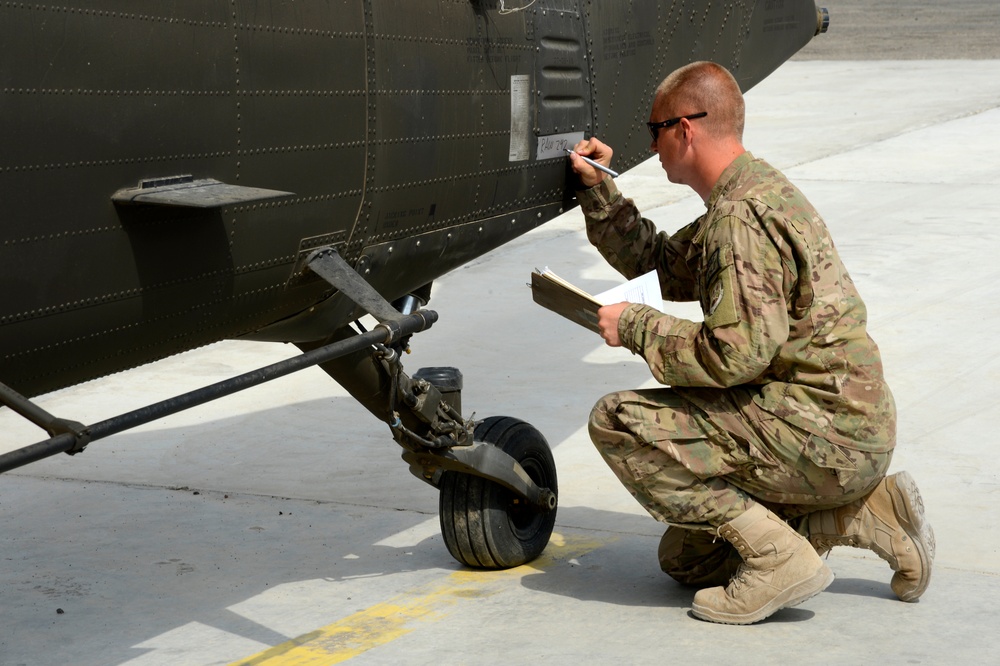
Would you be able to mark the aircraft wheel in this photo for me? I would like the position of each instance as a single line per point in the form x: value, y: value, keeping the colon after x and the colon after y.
x: 484, y: 524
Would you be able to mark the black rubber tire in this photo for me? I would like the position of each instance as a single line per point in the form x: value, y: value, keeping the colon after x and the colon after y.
x: 484, y: 524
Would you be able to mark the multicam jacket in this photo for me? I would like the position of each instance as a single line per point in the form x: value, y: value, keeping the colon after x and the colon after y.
x: 782, y: 318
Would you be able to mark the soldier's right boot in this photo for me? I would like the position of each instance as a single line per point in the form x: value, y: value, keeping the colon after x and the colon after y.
x: 890, y: 522
x: 780, y: 569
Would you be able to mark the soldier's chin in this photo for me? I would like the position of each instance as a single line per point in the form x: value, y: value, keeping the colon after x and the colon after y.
x: 673, y: 177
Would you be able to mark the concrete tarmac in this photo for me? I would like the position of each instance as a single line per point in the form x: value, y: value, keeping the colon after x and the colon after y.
x: 279, y: 526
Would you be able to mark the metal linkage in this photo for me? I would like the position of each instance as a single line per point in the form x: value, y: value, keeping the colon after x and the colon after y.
x: 41, y: 418
x: 71, y: 437
x: 480, y: 459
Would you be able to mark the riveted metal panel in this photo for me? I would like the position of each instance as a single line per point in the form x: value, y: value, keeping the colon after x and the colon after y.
x: 562, y: 73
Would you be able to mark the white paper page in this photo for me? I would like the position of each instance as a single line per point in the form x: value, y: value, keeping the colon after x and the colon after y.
x: 644, y: 289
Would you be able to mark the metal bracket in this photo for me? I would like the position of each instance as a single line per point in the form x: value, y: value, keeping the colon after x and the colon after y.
x: 330, y: 266
x: 53, y: 425
x: 483, y: 460
x: 186, y: 192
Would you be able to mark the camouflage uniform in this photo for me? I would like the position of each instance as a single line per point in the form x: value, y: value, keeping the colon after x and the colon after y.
x: 778, y: 396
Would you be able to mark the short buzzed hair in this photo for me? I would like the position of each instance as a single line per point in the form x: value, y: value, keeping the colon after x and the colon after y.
x: 705, y: 86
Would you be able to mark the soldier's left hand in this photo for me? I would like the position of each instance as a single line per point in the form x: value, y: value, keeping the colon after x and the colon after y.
x: 607, y: 321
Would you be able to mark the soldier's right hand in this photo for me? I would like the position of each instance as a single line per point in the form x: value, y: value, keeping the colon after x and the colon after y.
x: 596, y: 150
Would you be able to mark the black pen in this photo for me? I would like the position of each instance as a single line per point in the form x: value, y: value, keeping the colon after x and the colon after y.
x: 600, y: 167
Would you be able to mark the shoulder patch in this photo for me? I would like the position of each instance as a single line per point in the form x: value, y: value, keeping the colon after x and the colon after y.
x: 719, y: 303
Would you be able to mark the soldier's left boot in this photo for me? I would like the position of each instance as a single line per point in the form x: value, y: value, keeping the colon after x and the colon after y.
x: 697, y: 557
x: 890, y: 522
x: 780, y: 569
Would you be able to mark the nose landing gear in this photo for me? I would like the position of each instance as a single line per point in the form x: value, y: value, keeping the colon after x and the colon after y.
x: 486, y: 525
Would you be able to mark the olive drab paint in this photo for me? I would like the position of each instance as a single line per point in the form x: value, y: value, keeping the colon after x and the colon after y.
x: 165, y: 169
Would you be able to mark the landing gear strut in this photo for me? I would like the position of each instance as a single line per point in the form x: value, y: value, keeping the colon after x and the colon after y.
x: 497, y: 478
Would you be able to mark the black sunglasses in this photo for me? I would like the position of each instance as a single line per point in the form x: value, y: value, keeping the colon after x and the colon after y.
x: 654, y: 128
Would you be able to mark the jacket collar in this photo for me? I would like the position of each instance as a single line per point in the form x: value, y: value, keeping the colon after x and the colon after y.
x: 727, y: 183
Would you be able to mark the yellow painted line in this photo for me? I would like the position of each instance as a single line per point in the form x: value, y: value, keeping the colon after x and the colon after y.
x: 389, y: 620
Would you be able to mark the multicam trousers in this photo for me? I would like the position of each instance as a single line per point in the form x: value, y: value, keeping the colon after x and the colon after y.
x: 697, y: 457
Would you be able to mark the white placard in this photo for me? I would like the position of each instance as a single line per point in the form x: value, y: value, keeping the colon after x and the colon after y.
x: 520, y: 118
x: 556, y: 145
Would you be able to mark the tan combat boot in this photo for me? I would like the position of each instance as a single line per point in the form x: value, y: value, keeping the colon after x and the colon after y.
x: 780, y: 569
x: 889, y: 521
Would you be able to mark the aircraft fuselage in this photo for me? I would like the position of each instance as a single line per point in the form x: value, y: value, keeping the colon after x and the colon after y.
x: 165, y: 170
